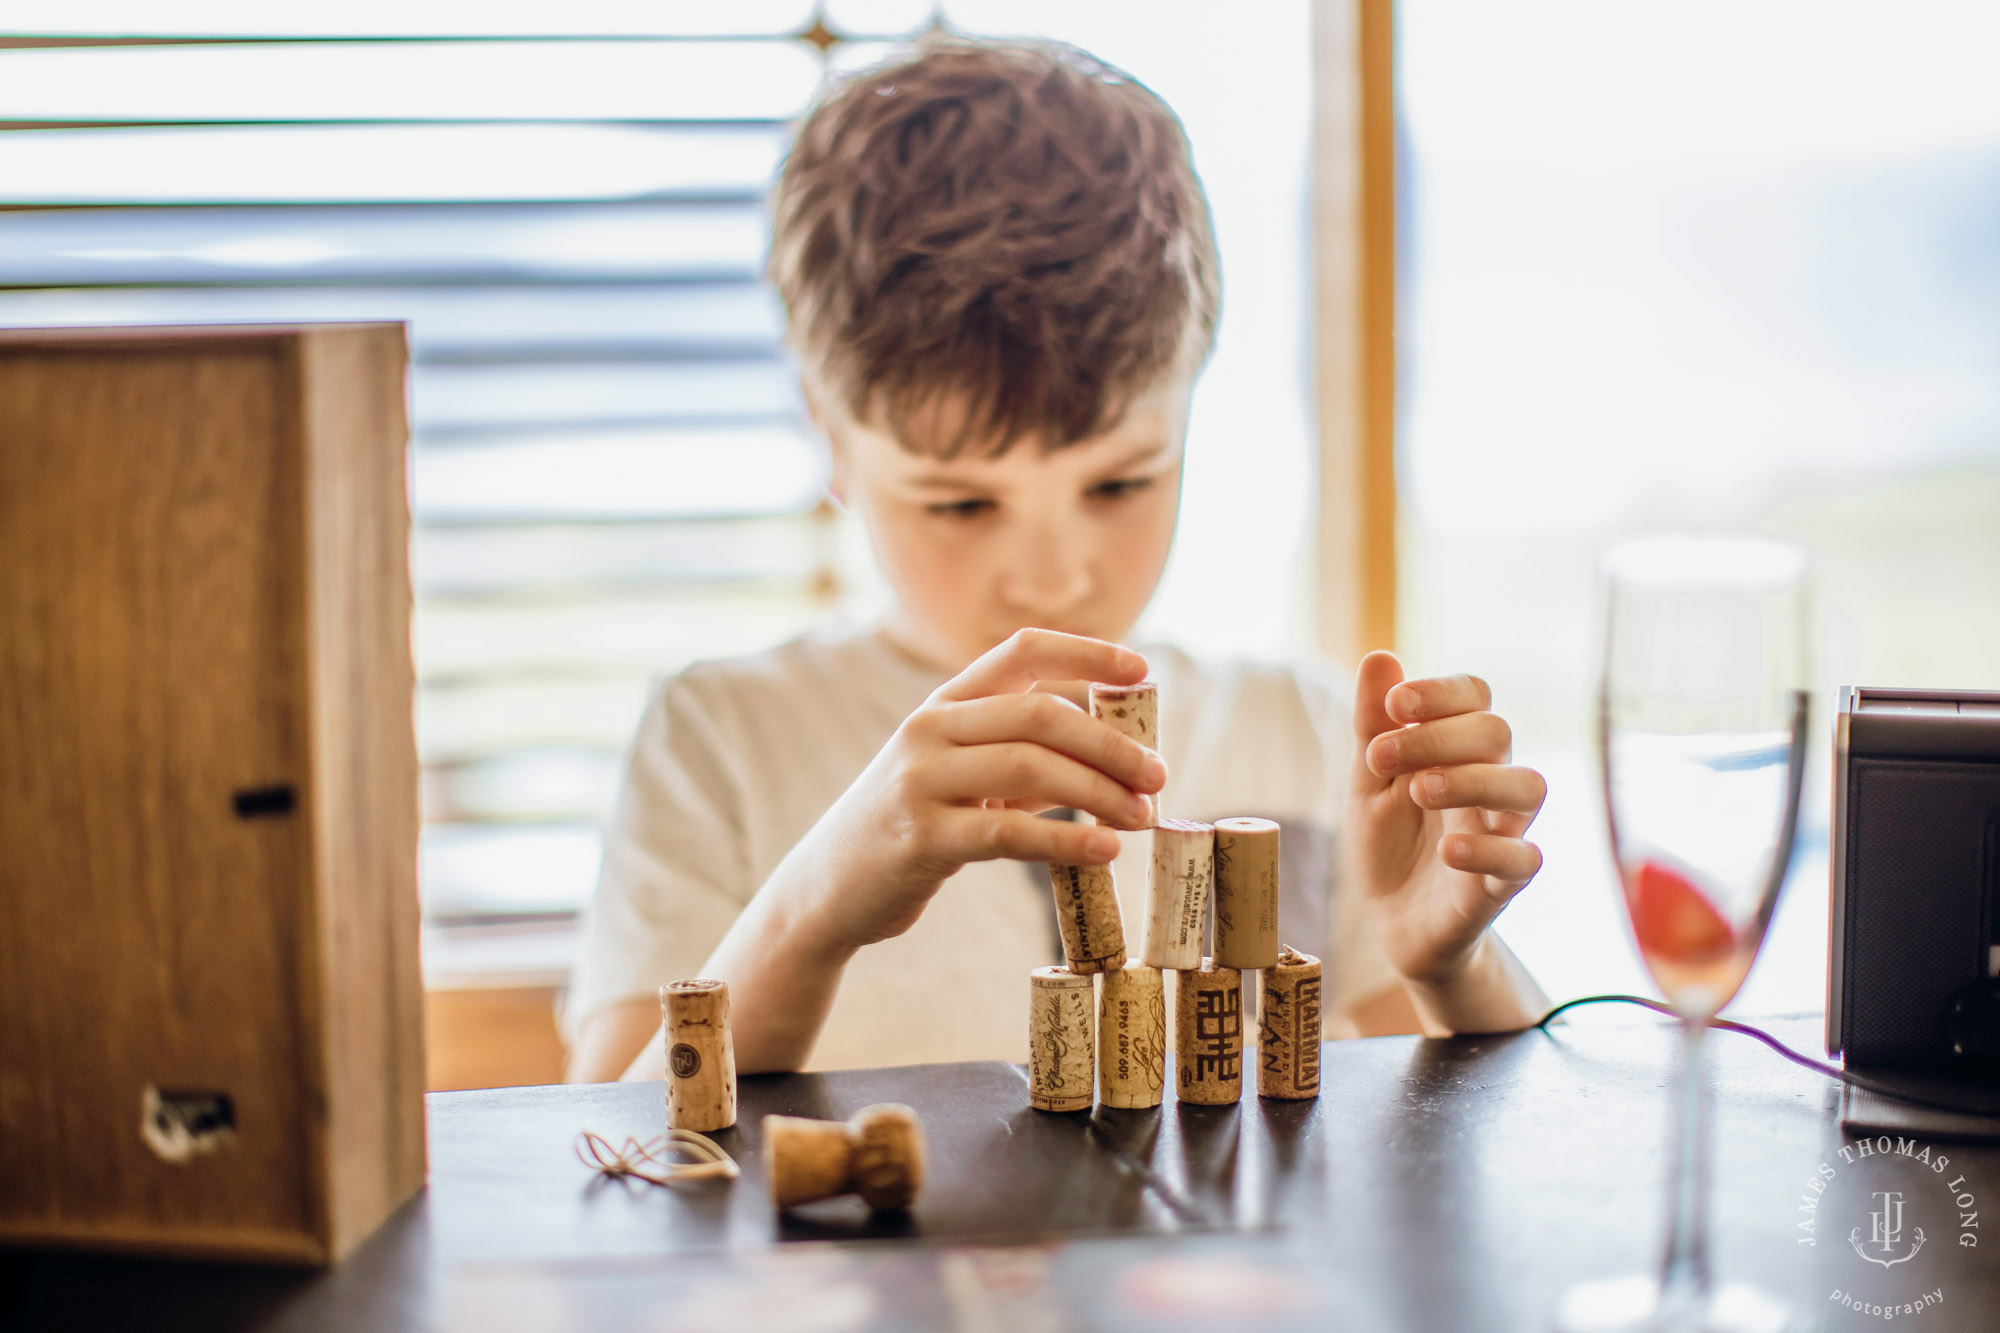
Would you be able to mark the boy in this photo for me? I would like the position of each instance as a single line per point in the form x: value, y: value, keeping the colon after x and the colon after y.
x: 998, y: 274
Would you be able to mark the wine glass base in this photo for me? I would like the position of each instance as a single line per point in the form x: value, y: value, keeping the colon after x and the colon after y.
x: 1633, y: 1305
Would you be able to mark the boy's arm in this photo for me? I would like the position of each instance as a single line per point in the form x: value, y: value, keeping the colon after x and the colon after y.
x: 961, y: 780
x: 1496, y: 993
x: 606, y: 1040
x: 1383, y: 1012
x: 783, y: 969
x: 1493, y: 992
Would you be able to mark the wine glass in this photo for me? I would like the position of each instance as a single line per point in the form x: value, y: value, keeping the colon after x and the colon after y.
x: 1703, y: 711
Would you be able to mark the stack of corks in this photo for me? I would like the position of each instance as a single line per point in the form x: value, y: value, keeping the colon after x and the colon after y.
x: 1234, y: 862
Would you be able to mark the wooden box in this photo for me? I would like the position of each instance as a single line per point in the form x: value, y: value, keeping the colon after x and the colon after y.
x: 210, y: 1006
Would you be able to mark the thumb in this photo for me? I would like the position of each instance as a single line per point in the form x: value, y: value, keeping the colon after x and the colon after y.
x: 1379, y: 673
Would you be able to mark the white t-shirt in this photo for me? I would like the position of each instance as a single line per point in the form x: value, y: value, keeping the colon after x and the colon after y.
x: 735, y: 761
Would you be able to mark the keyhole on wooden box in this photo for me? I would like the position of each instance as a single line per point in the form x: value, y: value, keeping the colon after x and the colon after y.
x: 256, y: 802
x: 178, y: 1125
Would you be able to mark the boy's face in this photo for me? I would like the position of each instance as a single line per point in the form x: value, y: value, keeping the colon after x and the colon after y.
x: 976, y: 547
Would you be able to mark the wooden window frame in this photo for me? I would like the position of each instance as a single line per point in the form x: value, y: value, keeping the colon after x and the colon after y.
x: 1354, y: 356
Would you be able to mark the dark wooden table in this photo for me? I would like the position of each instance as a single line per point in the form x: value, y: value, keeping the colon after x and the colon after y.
x: 1434, y: 1185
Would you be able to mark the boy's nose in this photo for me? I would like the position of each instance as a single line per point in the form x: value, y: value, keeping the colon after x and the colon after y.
x: 1047, y: 577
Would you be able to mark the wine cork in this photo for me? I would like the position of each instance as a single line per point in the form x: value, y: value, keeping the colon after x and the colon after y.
x: 1208, y: 1035
x: 1093, y: 932
x: 888, y: 1160
x: 1246, y: 893
x: 1131, y: 1037
x: 1135, y: 711
x: 701, y: 1059
x: 805, y: 1160
x: 1177, y: 883
x: 878, y: 1153
x: 1288, y: 1027
x: 1062, y: 1045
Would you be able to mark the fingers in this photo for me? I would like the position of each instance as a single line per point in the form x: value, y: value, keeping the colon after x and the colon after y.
x: 1055, y: 722
x: 1432, y: 697
x: 1513, y: 861
x: 973, y: 834
x: 1465, y: 738
x: 1023, y: 772
x: 1503, y: 787
x: 1041, y: 654
x: 1378, y: 674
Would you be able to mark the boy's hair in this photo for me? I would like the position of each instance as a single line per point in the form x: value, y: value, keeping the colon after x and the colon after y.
x: 987, y: 240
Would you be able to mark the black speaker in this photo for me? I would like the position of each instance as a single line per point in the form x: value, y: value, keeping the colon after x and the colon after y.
x: 1913, y: 974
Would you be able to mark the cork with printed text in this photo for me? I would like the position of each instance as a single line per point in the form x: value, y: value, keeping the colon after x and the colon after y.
x: 1246, y: 893
x: 1288, y: 1027
x: 1062, y: 1046
x: 1178, y: 877
x: 1093, y: 930
x: 1131, y: 1037
x: 1208, y: 1035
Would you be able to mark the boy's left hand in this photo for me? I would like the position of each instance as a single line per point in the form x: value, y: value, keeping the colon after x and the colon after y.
x: 1436, y: 815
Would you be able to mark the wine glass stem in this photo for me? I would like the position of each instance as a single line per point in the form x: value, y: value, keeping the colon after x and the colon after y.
x: 1685, y: 1278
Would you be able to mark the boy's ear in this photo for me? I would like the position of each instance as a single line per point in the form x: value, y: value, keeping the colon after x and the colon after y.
x: 809, y: 391
x: 836, y: 481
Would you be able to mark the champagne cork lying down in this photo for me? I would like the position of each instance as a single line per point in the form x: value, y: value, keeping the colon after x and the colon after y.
x: 1093, y: 932
x: 701, y: 1058
x: 1131, y: 1037
x: 1177, y: 884
x: 1288, y: 1027
x: 1062, y: 1046
x: 878, y: 1153
x: 1246, y: 893
x: 1133, y: 710
x: 1208, y: 1035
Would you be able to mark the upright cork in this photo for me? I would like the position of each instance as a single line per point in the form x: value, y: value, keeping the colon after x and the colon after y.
x: 1093, y: 932
x: 1246, y: 893
x: 1288, y: 1027
x: 1062, y: 1045
x: 878, y: 1153
x: 1208, y: 1035
x: 1177, y: 883
x: 1135, y: 711
x: 1131, y: 1037
x: 701, y: 1059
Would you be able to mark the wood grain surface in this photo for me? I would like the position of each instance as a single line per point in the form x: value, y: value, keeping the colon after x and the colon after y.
x: 207, y: 786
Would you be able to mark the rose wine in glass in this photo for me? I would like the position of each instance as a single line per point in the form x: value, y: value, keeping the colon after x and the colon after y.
x: 1702, y: 710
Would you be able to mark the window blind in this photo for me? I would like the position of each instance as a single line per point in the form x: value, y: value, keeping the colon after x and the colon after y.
x: 610, y: 474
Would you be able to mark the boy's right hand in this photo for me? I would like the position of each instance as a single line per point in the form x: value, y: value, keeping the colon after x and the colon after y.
x: 964, y: 778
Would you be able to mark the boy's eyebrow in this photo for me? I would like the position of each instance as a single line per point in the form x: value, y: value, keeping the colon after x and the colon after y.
x: 943, y: 481
x: 936, y: 482
x: 1143, y: 454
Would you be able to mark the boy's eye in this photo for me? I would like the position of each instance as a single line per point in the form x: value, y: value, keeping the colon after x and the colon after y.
x: 1119, y: 488
x: 960, y: 508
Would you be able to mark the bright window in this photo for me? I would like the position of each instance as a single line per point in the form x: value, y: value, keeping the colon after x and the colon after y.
x: 610, y: 472
x: 1674, y: 266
